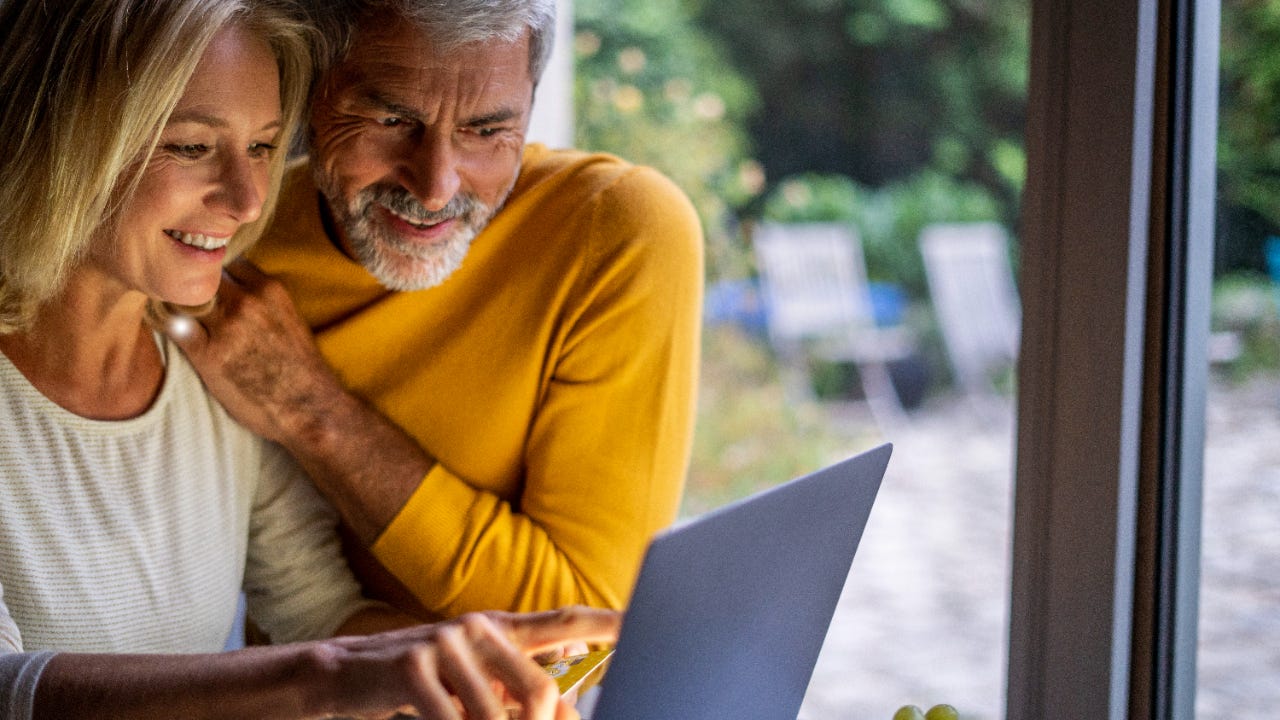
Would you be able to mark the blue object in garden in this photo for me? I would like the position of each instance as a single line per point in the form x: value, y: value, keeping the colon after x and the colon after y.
x: 888, y: 303
x: 740, y: 302
x: 735, y: 302
x: 1271, y: 248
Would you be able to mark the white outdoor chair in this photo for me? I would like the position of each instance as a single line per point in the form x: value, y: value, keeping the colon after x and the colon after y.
x: 974, y: 300
x: 819, y: 306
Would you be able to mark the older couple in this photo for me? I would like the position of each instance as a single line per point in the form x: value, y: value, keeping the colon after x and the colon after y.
x: 512, y: 333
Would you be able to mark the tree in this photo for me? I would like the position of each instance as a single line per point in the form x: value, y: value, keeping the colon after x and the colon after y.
x: 879, y: 90
x: 1249, y: 136
x: 650, y: 86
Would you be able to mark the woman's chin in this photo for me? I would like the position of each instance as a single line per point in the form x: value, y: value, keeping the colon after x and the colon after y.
x: 188, y: 299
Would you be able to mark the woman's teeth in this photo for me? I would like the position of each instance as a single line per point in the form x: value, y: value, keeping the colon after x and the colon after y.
x: 204, y: 242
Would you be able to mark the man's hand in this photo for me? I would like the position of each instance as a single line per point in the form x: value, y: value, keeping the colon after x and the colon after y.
x: 257, y: 357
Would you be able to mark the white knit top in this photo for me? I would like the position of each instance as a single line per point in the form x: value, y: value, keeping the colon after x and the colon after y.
x: 137, y: 535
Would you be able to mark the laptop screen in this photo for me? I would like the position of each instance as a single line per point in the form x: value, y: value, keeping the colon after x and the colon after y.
x: 730, y: 609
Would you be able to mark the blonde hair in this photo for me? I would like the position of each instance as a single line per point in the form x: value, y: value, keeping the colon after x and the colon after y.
x: 89, y: 86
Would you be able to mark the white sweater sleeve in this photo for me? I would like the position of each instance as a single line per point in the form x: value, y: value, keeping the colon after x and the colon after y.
x: 297, y: 582
x: 19, y: 671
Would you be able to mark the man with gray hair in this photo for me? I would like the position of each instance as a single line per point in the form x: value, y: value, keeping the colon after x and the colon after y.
x: 513, y: 331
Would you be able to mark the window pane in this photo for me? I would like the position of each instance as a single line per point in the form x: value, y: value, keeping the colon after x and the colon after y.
x: 896, y: 128
x: 1239, y: 652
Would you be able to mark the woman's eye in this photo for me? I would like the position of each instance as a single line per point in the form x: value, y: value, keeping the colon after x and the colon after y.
x: 192, y: 151
x: 261, y: 150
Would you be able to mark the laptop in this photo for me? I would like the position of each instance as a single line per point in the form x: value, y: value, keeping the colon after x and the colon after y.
x: 730, y: 609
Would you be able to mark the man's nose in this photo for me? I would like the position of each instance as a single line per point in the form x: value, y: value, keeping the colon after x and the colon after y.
x: 429, y: 171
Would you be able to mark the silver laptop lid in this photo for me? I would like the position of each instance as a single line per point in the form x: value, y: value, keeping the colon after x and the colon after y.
x: 730, y: 609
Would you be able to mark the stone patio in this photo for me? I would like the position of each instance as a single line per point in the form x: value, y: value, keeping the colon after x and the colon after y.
x: 923, y: 617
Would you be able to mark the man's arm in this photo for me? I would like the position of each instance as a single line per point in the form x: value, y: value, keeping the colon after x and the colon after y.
x: 604, y: 454
x: 601, y: 420
x: 257, y: 357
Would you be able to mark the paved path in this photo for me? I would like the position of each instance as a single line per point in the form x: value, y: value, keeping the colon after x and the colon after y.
x: 923, y: 618
x: 1239, y: 660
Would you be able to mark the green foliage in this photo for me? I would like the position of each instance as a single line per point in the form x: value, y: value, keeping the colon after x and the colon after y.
x: 1249, y: 152
x: 750, y: 434
x: 922, y: 97
x: 881, y: 90
x: 1249, y: 137
x: 731, y: 96
x: 812, y: 197
x: 651, y: 87
x: 889, y: 219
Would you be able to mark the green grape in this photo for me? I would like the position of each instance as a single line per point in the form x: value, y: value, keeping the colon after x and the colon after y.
x: 908, y: 712
x: 942, y: 712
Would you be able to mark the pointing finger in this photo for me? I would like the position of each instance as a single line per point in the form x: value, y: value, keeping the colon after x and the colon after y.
x: 460, y: 666
x: 537, y: 632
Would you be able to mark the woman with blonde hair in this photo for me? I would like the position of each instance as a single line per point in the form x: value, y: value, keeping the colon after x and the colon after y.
x: 142, y: 143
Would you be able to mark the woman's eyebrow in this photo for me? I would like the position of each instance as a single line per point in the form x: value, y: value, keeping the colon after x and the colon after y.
x: 195, y: 116
x: 213, y: 121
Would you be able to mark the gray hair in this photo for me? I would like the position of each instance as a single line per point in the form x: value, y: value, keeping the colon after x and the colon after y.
x: 449, y: 24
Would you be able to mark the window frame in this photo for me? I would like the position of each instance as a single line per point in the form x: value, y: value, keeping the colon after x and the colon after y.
x: 1116, y: 273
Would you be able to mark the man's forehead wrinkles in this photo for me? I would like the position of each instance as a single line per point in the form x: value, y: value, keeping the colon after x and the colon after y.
x: 421, y: 76
x: 402, y: 56
x: 374, y: 71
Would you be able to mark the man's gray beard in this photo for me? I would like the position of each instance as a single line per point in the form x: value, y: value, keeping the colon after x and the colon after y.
x: 397, y: 265
x: 405, y: 268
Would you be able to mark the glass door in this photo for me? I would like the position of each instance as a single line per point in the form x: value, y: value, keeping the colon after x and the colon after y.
x: 1239, y: 647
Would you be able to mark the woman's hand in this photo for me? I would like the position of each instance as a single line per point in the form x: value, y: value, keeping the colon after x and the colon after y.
x: 476, y: 666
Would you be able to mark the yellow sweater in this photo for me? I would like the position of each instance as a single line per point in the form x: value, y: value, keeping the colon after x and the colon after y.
x: 552, y: 378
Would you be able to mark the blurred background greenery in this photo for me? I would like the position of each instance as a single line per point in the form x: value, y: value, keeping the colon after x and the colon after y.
x: 888, y: 115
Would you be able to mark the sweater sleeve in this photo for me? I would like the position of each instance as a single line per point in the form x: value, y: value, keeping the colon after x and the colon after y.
x: 19, y: 671
x: 609, y: 444
x: 297, y: 584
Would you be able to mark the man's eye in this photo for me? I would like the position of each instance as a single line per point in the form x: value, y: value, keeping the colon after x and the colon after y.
x: 488, y: 131
x: 391, y: 121
x: 192, y: 151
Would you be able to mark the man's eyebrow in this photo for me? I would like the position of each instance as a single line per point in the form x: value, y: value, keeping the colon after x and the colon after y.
x: 381, y: 102
x: 493, y: 118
